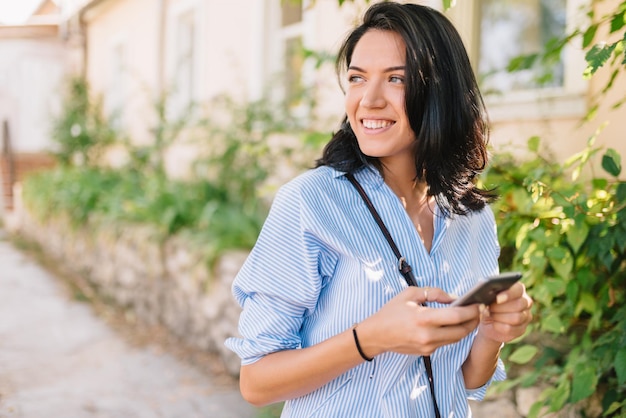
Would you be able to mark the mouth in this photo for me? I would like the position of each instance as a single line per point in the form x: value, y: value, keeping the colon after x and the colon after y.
x: 376, y: 124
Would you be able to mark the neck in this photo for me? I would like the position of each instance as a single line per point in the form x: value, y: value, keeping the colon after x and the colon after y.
x: 412, y: 193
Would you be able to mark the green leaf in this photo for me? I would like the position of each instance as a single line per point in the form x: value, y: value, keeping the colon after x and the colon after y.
x: 572, y: 290
x: 586, y: 303
x: 552, y: 323
x: 593, y: 110
x: 560, y: 396
x: 589, y: 34
x: 620, y: 366
x: 613, y: 407
x: 537, y: 262
x: 597, y: 56
x: 522, y: 62
x: 577, y: 234
x: 584, y: 383
x: 621, y: 192
x: 560, y: 199
x: 560, y: 260
x: 612, y: 162
x: 617, y: 22
x: 533, y: 143
x: 555, y: 287
x: 523, y: 354
x: 535, y: 409
x: 599, y: 183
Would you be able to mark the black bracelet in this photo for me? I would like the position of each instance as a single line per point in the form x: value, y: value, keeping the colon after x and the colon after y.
x: 358, y: 346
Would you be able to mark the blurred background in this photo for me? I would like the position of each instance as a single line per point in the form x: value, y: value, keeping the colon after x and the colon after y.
x: 189, y: 53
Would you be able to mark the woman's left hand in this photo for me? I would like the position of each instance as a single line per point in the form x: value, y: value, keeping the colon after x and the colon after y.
x: 508, y: 317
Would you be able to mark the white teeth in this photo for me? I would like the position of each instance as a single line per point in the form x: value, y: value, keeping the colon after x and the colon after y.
x: 376, y: 123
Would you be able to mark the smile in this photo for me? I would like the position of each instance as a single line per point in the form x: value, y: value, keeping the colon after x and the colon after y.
x: 376, y: 123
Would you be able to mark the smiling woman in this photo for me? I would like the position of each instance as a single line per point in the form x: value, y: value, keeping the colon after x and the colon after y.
x: 335, y: 327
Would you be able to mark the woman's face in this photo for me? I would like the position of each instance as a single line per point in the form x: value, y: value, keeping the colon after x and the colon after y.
x: 375, y: 98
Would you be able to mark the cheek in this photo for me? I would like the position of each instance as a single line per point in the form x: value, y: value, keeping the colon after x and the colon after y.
x: 397, y: 98
x: 351, y: 100
x: 351, y: 103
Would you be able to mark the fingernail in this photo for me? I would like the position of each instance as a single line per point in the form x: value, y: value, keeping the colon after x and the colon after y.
x: 501, y: 298
x: 481, y: 308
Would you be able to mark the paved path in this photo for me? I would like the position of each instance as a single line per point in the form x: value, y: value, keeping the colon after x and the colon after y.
x: 58, y: 359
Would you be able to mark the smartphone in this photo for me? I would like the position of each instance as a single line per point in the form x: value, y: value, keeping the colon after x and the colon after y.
x: 486, y: 290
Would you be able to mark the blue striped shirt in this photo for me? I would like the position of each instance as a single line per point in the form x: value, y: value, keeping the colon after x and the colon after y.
x: 321, y: 264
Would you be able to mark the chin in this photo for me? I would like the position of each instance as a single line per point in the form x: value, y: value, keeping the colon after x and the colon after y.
x: 372, y: 151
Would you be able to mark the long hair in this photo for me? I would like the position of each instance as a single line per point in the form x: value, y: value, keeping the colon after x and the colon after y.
x: 442, y: 102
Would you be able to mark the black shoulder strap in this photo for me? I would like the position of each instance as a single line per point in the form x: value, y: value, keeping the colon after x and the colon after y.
x: 403, y: 266
x: 405, y: 270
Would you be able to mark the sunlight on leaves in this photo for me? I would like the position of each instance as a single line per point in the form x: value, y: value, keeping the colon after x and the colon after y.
x: 523, y: 354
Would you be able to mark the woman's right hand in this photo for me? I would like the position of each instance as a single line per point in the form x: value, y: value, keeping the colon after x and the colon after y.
x: 404, y: 325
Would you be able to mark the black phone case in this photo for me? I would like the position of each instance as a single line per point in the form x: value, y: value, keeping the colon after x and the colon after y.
x: 486, y: 290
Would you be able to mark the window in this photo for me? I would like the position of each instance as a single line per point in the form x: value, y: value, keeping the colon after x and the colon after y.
x: 512, y: 28
x: 495, y: 31
x: 293, y: 60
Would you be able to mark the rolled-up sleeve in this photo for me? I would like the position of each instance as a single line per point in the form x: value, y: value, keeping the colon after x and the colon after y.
x: 280, y: 282
x: 478, y: 394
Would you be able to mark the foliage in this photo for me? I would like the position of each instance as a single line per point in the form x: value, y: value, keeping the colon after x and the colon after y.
x: 80, y: 132
x: 569, y: 237
x: 150, y: 158
x: 567, y: 232
x: 242, y: 147
x: 220, y: 206
x: 82, y: 193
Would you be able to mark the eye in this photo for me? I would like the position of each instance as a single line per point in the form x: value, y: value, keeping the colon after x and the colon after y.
x: 354, y: 79
x: 396, y: 79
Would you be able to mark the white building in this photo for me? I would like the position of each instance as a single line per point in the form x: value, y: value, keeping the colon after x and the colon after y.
x: 32, y: 57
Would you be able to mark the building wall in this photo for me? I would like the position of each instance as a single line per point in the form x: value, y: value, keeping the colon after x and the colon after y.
x: 235, y: 53
x: 31, y: 70
x: 121, y: 59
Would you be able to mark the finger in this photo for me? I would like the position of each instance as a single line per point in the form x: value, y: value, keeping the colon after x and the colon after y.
x: 511, y: 318
x: 514, y: 292
x: 513, y: 305
x: 508, y: 332
x: 429, y: 339
x: 423, y: 295
x: 435, y: 294
x: 450, y: 316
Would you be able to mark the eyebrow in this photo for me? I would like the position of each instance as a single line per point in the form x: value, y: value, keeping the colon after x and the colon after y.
x: 387, y: 70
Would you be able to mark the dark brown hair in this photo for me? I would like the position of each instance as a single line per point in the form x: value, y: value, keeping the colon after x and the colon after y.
x: 442, y: 101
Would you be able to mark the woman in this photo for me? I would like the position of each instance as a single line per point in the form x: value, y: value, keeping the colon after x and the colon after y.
x: 328, y: 322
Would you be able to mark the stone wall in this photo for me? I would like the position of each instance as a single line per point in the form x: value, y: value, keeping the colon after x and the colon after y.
x: 162, y: 281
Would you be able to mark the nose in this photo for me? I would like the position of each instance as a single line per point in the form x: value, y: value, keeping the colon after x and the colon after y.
x: 373, y: 96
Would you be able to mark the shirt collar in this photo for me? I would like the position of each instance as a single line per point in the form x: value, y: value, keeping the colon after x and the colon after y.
x: 368, y: 175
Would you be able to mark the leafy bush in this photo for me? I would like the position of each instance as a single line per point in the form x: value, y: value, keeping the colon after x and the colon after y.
x: 568, y: 235
x: 220, y: 207
x: 80, y: 132
x: 124, y: 196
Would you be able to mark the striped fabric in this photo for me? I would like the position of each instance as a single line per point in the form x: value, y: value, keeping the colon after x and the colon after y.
x: 321, y: 265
